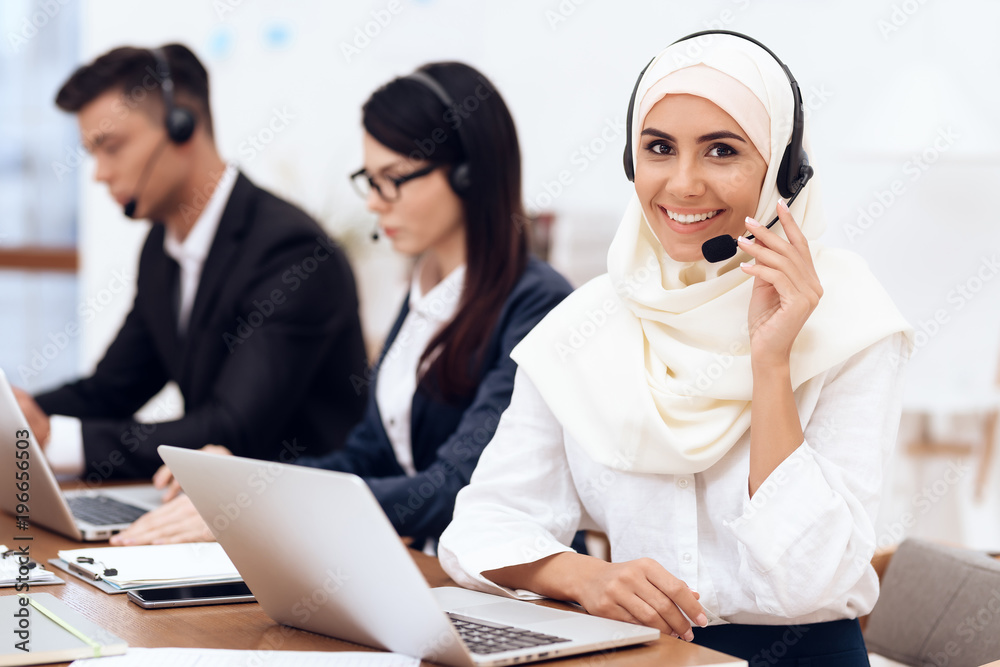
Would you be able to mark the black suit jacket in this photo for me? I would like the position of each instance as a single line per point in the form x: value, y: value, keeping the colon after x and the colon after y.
x: 446, y: 439
x: 270, y: 360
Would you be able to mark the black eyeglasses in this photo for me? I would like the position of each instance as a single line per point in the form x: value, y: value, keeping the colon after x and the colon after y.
x: 387, y: 187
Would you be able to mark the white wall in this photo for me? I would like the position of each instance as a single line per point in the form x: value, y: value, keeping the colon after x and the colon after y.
x: 878, y: 97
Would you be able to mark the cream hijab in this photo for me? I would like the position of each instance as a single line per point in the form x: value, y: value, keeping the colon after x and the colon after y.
x: 648, y: 366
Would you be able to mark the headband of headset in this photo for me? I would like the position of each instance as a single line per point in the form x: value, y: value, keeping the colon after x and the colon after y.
x: 459, y: 177
x: 179, y: 121
x: 793, y: 171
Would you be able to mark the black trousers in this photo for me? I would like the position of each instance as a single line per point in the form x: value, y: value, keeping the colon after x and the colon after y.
x: 832, y: 644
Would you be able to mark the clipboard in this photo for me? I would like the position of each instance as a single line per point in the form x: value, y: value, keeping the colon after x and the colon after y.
x: 120, y: 569
x: 37, y: 575
x: 99, y: 584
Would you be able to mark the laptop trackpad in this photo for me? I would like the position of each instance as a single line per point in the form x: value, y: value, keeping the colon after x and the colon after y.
x: 511, y: 612
x: 144, y: 496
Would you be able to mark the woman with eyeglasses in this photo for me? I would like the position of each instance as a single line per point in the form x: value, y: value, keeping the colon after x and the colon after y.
x: 442, y: 170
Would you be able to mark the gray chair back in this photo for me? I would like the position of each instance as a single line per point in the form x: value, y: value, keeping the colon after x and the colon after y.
x: 939, y: 606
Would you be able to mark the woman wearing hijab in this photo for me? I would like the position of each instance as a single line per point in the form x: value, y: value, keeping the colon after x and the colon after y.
x: 442, y: 170
x: 725, y: 424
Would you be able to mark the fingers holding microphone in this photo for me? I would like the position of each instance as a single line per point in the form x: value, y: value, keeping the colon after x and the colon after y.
x: 786, y: 286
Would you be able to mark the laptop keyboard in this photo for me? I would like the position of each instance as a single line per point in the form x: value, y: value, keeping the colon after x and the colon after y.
x: 103, y: 511
x: 483, y: 637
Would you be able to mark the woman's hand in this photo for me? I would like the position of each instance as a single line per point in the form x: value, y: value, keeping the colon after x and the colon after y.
x: 165, y: 479
x: 642, y: 592
x: 786, y: 288
x: 177, y: 521
x: 638, y: 591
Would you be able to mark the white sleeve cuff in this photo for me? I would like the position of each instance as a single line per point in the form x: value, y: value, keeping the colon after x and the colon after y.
x: 468, y: 570
x: 788, y: 504
x: 65, y: 449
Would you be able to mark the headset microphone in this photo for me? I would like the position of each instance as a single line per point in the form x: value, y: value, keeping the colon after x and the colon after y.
x: 179, y: 122
x: 375, y: 233
x: 131, y: 204
x: 721, y: 248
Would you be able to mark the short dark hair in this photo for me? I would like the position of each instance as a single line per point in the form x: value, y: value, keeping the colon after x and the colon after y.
x: 132, y: 71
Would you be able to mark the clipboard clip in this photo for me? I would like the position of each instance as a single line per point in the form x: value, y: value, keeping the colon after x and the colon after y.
x: 87, y: 560
x: 15, y: 552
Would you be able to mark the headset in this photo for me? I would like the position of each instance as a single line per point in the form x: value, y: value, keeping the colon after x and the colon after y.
x: 793, y: 171
x: 179, y: 121
x: 459, y: 177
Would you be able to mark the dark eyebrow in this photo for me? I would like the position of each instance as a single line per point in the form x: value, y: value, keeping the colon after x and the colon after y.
x: 90, y: 144
x: 711, y: 136
x: 721, y: 134
x: 94, y: 142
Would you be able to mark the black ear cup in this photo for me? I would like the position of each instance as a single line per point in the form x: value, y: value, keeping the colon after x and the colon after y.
x: 460, y: 177
x: 180, y: 122
x: 180, y: 125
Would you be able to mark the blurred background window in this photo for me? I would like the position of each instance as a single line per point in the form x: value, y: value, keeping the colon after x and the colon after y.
x: 39, y: 157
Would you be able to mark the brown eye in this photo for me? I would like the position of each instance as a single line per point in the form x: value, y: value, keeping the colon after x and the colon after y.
x: 722, y: 150
x: 659, y: 148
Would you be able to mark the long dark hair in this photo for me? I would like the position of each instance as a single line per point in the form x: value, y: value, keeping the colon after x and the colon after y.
x: 408, y: 117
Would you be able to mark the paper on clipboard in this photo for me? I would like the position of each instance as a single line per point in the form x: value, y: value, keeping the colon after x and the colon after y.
x: 146, y: 566
x: 11, y: 575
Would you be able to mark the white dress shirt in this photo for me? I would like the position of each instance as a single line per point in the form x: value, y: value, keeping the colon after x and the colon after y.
x: 397, y: 375
x: 798, y: 552
x: 65, y: 449
x: 190, y: 254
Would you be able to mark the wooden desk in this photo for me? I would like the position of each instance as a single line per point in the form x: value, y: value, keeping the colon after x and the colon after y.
x: 246, y: 626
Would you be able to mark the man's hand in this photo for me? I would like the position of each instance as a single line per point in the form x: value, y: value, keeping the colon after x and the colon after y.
x: 177, y: 521
x: 164, y: 479
x: 38, y: 421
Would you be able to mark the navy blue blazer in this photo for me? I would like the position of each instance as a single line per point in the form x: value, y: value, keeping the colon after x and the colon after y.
x: 446, y: 439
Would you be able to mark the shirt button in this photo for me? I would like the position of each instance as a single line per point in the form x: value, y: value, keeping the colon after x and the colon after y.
x: 686, y: 558
x: 392, y: 422
x: 682, y: 483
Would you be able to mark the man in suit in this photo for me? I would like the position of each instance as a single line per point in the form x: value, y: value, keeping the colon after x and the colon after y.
x: 242, y: 299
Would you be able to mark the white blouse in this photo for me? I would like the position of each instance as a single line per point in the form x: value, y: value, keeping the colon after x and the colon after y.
x: 798, y: 552
x: 397, y: 374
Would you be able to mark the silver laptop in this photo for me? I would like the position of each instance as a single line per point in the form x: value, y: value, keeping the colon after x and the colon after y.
x: 87, y: 515
x: 319, y: 554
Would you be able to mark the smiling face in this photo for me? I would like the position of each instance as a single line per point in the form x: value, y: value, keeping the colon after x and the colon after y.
x: 428, y: 215
x: 697, y: 174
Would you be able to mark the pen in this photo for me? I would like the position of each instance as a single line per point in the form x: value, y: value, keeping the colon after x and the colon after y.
x: 108, y: 572
x: 83, y: 571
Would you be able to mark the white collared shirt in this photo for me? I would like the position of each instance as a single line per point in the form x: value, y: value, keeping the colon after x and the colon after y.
x: 190, y: 254
x: 397, y: 375
x: 799, y: 551
x: 65, y: 449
